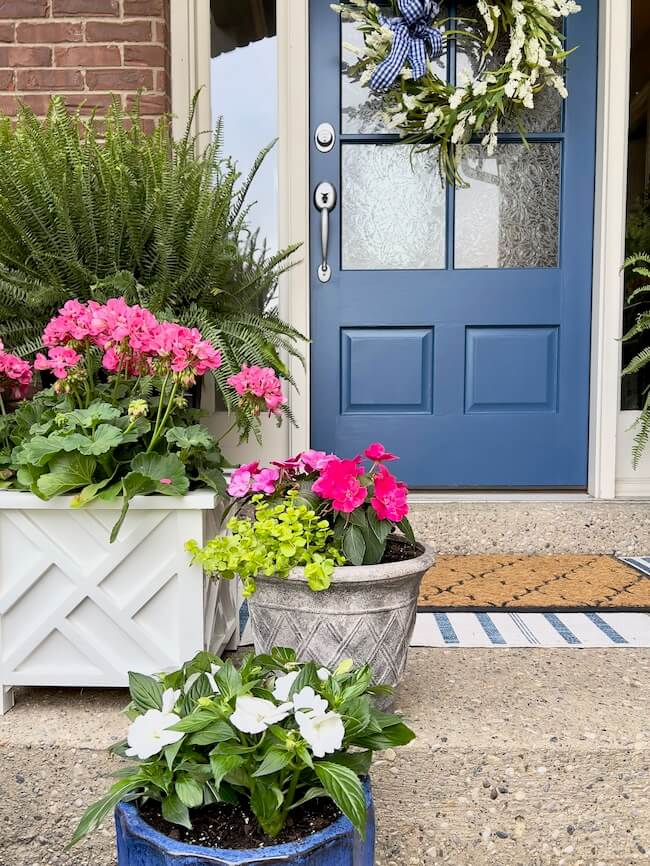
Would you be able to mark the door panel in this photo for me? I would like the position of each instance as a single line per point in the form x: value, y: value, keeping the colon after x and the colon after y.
x: 455, y: 327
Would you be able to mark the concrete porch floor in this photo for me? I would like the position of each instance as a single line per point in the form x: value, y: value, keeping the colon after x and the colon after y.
x: 522, y: 757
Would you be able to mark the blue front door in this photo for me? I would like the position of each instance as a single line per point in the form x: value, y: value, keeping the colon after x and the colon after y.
x: 455, y: 327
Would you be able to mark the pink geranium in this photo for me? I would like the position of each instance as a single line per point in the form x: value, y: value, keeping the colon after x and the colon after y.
x: 261, y: 386
x: 241, y: 480
x: 59, y: 360
x: 339, y: 481
x: 390, y: 497
x: 378, y: 454
x: 315, y: 461
x: 15, y: 375
x: 265, y: 480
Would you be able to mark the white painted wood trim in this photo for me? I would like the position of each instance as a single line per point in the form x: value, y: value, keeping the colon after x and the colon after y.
x: 609, y: 244
x: 294, y: 198
x: 197, y: 500
x: 189, y: 26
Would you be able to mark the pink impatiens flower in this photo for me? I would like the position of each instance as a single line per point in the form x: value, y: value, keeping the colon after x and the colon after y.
x: 315, y: 461
x: 261, y: 386
x: 339, y: 481
x: 59, y: 360
x: 390, y: 497
x: 241, y: 480
x: 378, y: 454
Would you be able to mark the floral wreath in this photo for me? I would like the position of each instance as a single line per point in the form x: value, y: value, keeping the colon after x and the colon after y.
x: 396, y: 63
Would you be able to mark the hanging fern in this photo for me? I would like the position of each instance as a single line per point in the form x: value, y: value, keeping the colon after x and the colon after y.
x: 90, y: 211
x: 638, y: 273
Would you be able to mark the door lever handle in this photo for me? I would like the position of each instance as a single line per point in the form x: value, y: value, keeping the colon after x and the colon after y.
x: 325, y: 201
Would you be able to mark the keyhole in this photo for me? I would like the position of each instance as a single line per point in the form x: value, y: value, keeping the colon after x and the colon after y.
x: 325, y: 197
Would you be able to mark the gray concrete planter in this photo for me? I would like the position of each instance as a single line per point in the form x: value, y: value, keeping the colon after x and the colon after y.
x: 368, y: 615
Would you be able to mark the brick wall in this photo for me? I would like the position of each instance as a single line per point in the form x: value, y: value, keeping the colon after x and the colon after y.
x: 85, y: 50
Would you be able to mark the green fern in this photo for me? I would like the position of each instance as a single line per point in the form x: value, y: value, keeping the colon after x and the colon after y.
x: 90, y: 211
x: 637, y: 272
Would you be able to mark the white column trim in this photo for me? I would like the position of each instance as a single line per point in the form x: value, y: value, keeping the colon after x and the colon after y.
x: 189, y: 24
x: 609, y: 243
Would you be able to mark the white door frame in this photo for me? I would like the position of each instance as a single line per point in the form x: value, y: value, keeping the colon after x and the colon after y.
x: 608, y: 445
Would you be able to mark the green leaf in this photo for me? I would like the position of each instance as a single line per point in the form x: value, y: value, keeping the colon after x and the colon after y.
x: 218, y: 732
x: 89, y: 493
x: 396, y: 735
x: 67, y: 472
x: 406, y: 529
x: 39, y: 450
x: 229, y: 681
x: 381, y: 528
x: 176, y: 812
x: 265, y: 803
x: 283, y: 655
x: 354, y: 545
x: 145, y: 691
x: 162, y: 466
x: 97, y: 411
x: 104, y: 439
x: 96, y: 813
x: 186, y: 438
x: 358, y: 762
x: 190, y: 792
x: 311, y: 794
x: 374, y: 547
x: 356, y: 717
x: 344, y: 787
x: 274, y: 760
x: 222, y: 765
x: 196, y: 721
x: 171, y: 751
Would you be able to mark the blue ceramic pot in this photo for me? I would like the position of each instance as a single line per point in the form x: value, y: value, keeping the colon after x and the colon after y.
x: 138, y: 844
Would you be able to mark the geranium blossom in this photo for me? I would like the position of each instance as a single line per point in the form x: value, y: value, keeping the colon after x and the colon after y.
x: 59, y: 360
x: 339, y: 482
x: 241, y: 480
x: 390, y: 497
x: 260, y: 385
x: 15, y: 375
x: 315, y: 461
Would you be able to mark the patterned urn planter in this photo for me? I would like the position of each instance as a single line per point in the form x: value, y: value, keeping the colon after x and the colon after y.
x: 138, y: 844
x: 367, y: 614
x: 76, y: 610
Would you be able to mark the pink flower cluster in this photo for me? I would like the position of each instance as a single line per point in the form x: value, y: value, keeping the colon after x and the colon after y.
x: 249, y: 478
x: 15, y: 375
x: 132, y: 339
x: 261, y: 385
x: 390, y: 499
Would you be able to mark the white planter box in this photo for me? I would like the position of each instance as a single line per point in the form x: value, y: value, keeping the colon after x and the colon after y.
x: 76, y: 610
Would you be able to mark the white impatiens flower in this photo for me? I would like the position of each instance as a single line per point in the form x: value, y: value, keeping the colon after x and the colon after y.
x: 150, y: 733
x: 210, y: 677
x: 307, y: 699
x: 283, y: 686
x: 254, y: 715
x: 169, y: 698
x: 323, y: 732
x: 323, y: 674
x: 189, y: 682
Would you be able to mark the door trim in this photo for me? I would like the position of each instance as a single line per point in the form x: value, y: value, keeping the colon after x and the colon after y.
x: 609, y: 228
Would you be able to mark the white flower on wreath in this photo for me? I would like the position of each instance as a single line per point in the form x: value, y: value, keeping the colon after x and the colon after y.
x: 457, y: 97
x: 323, y: 732
x: 254, y: 715
x: 150, y: 733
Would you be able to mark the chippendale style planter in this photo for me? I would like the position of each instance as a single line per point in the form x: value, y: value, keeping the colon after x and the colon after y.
x: 367, y: 614
x: 76, y: 610
x: 138, y: 844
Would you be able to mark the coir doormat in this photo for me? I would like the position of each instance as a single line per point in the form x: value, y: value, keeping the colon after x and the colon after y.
x: 536, y: 583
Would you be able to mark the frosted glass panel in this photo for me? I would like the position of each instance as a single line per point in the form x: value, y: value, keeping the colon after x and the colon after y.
x: 393, y: 208
x: 547, y: 114
x: 509, y: 215
x: 360, y: 109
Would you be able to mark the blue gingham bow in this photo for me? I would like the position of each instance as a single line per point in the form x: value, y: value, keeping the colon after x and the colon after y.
x: 413, y: 34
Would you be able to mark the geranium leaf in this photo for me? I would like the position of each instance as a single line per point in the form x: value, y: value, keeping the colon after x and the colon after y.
x: 185, y: 438
x: 66, y: 472
x: 163, y: 467
x: 97, y: 411
x: 90, y: 492
x: 104, y: 439
x: 344, y: 787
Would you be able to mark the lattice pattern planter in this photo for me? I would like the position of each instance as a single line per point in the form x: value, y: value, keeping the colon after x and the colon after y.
x: 76, y: 610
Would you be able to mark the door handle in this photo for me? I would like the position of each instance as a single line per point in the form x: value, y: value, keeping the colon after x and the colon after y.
x: 325, y: 200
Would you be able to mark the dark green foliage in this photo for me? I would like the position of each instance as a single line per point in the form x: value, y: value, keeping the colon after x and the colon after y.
x: 638, y: 267
x: 90, y: 211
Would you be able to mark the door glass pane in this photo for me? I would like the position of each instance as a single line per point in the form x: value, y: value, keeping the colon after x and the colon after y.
x: 393, y: 208
x: 509, y: 216
x: 361, y: 110
x: 547, y: 114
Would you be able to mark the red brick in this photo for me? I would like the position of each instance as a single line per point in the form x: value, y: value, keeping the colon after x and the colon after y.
x: 7, y: 32
x: 87, y: 55
x: 161, y: 82
x: 85, y: 7
x: 160, y: 32
x: 150, y: 103
x: 38, y: 102
x: 119, y: 79
x: 127, y: 31
x: 145, y: 55
x: 25, y: 55
x: 6, y: 79
x: 50, y: 79
x: 49, y: 31
x: 8, y: 105
x: 88, y: 101
x: 144, y: 7
x: 23, y: 8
